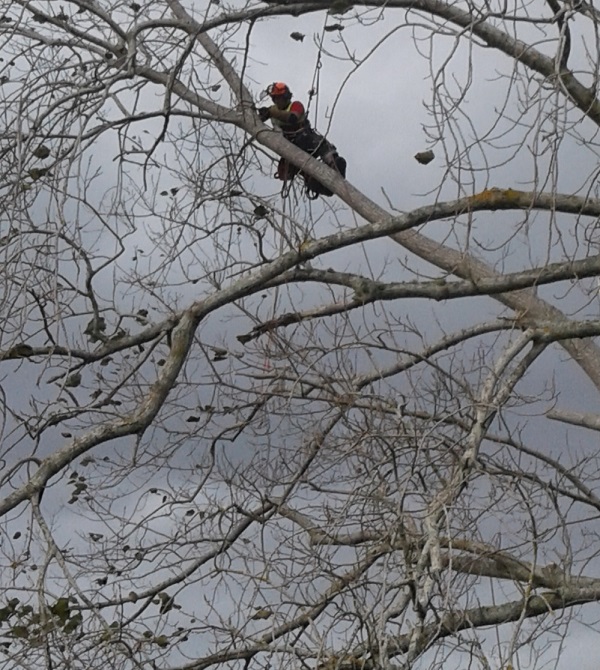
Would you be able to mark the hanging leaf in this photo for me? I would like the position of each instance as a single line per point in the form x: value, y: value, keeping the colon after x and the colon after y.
x: 37, y: 173
x: 166, y: 603
x: 73, y: 380
x: 94, y: 328
x: 141, y: 316
x: 9, y: 610
x: 41, y: 152
x: 61, y: 610
x: 219, y: 354
x: 261, y: 613
x: 20, y: 632
x: 162, y: 641
x: 73, y: 623
x: 299, y: 37
x: 424, y: 157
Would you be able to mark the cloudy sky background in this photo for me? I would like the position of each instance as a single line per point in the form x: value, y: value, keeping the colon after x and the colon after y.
x: 377, y: 123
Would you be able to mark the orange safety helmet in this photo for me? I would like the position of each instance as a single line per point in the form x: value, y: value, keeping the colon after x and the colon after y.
x: 279, y: 89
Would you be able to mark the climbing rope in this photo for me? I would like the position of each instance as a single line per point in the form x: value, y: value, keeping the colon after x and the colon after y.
x: 270, y: 345
x: 314, y: 87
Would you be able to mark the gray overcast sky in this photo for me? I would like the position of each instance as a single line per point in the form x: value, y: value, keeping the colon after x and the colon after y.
x: 377, y: 126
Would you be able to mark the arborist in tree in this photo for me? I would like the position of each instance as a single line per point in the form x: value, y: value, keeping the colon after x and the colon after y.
x: 291, y: 118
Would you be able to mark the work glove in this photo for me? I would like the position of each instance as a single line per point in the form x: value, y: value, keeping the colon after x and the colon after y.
x: 264, y: 113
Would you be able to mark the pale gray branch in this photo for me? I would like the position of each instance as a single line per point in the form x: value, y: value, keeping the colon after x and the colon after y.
x: 583, y: 419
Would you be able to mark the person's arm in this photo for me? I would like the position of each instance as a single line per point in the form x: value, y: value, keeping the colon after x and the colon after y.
x: 292, y: 115
x: 287, y: 116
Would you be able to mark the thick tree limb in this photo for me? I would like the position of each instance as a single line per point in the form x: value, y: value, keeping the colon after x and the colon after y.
x: 496, y: 615
x: 583, y: 419
x: 367, y: 291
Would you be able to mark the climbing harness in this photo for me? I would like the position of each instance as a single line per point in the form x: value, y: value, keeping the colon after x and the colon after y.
x: 321, y: 149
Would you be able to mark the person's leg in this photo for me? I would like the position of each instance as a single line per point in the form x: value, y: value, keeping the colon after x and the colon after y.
x: 285, y: 171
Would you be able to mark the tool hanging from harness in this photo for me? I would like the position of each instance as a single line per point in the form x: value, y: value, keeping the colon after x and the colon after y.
x: 317, y: 146
x: 291, y: 118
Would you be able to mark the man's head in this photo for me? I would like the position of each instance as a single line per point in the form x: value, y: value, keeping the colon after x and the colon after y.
x: 280, y: 94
